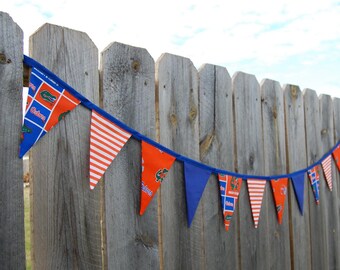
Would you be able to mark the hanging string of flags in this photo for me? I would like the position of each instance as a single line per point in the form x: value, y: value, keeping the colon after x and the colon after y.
x: 50, y: 99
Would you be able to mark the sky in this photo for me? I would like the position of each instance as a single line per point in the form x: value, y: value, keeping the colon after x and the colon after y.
x: 293, y: 41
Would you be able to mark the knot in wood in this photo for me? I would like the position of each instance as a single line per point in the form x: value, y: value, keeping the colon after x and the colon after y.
x: 324, y: 131
x: 274, y: 112
x: 173, y: 119
x: 135, y: 65
x: 4, y: 60
x: 251, y: 161
x: 294, y: 91
x: 192, y: 114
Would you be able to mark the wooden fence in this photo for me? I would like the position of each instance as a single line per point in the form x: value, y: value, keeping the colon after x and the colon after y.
x: 235, y: 123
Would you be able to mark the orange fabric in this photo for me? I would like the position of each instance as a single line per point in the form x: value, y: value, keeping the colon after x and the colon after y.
x: 336, y: 156
x: 279, y: 187
x: 155, y: 166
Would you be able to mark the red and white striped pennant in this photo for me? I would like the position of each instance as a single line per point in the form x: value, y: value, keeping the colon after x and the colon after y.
x: 256, y: 190
x: 327, y: 169
x: 106, y: 140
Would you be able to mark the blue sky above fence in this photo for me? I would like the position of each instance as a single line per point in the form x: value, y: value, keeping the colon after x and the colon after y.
x: 295, y: 42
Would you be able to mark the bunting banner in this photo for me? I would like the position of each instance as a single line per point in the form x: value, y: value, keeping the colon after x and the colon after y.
x: 279, y: 187
x: 256, y: 190
x: 314, y: 178
x: 230, y: 187
x: 50, y: 99
x: 47, y: 104
x: 327, y: 170
x: 336, y: 156
x: 155, y: 166
x: 196, y: 179
x: 106, y: 141
x: 298, y: 182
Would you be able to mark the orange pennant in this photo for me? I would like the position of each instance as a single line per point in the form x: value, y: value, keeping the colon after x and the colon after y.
x: 336, y: 156
x: 155, y: 166
x: 279, y: 187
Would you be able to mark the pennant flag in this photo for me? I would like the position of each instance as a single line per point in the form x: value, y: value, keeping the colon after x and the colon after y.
x: 327, y: 170
x: 279, y: 187
x: 155, y: 166
x: 315, y: 182
x: 106, y: 140
x: 229, y: 189
x: 299, y: 185
x: 47, y: 104
x: 256, y: 190
x: 336, y: 156
x: 196, y: 179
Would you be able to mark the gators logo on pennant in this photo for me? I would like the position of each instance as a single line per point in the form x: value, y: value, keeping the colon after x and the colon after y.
x: 46, y: 102
x: 156, y: 164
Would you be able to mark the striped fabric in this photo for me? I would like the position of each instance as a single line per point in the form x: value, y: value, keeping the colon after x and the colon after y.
x: 106, y: 140
x: 327, y: 169
x: 256, y: 190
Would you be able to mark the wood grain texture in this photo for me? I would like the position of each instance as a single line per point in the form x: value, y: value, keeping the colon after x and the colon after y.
x: 296, y: 154
x: 129, y: 94
x: 177, y: 81
x: 318, y: 227
x: 12, y: 240
x: 66, y: 213
x: 217, y: 149
x: 254, y: 245
x: 329, y: 199
x: 274, y: 139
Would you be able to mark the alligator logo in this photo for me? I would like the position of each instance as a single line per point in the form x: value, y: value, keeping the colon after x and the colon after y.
x: 234, y: 183
x: 160, y: 175
x: 47, y: 96
x: 26, y: 129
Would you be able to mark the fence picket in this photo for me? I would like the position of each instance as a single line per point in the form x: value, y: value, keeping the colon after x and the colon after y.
x: 328, y: 200
x: 66, y: 213
x: 128, y: 79
x: 177, y: 81
x: 296, y: 156
x: 275, y: 164
x: 12, y: 241
x: 249, y: 151
x: 217, y: 150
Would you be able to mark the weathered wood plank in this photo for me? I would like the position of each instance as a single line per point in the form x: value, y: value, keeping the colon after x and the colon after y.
x: 12, y: 240
x: 274, y: 139
x: 217, y: 150
x: 296, y: 153
x: 177, y: 81
x: 314, y: 152
x: 66, y: 214
x: 254, y: 245
x: 128, y: 79
x: 329, y: 199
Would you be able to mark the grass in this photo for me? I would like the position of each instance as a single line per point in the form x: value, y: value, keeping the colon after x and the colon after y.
x: 27, y: 227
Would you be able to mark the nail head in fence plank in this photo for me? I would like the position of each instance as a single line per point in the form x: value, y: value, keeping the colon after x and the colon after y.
x: 12, y: 237
x: 249, y: 151
x: 177, y: 80
x: 329, y: 199
x: 217, y: 149
x: 275, y: 163
x: 314, y: 153
x: 296, y: 154
x: 128, y: 76
x: 66, y: 213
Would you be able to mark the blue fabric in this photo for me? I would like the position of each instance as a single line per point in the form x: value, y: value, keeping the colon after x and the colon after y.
x: 135, y: 134
x: 196, y: 179
x: 298, y: 184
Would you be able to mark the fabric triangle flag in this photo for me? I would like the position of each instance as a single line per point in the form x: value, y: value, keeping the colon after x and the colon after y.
x: 327, y: 170
x: 47, y: 104
x: 314, y: 178
x: 256, y: 190
x: 336, y: 156
x: 155, y: 166
x: 196, y: 179
x: 279, y: 187
x: 298, y: 182
x: 106, y: 140
x: 229, y: 189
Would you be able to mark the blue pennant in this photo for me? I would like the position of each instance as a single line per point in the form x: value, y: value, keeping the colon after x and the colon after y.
x: 196, y: 179
x: 298, y: 184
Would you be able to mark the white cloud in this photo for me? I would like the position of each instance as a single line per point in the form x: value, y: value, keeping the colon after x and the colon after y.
x: 264, y: 36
